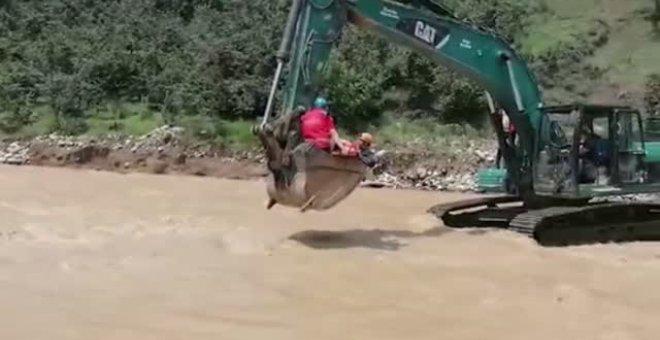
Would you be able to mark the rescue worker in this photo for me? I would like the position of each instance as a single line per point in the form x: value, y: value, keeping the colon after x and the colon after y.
x: 509, y: 128
x: 510, y: 134
x: 594, y: 154
x: 318, y: 128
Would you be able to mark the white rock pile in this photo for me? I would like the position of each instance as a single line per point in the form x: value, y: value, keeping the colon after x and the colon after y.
x: 440, y: 177
x: 413, y: 171
x: 432, y: 181
x: 154, y: 141
x: 15, y: 154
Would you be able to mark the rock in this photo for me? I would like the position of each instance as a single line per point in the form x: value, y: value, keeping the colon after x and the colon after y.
x: 15, y: 160
x: 452, y: 168
x: 200, y: 171
x: 156, y: 166
x: 481, y: 154
x: 375, y: 184
x: 14, y: 147
x: 180, y: 159
x: 87, y: 153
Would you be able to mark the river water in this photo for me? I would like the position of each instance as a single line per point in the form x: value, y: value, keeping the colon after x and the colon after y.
x: 94, y: 255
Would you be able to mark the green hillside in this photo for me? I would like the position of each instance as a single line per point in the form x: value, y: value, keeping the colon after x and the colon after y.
x: 610, y: 43
x: 92, y: 66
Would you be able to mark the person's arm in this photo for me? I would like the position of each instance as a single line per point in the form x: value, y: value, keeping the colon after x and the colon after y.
x: 341, y: 144
x: 334, y: 135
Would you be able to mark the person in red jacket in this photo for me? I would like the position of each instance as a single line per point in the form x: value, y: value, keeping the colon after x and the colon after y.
x: 318, y: 128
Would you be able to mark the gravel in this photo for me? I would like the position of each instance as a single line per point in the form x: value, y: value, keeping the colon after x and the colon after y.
x: 406, y: 169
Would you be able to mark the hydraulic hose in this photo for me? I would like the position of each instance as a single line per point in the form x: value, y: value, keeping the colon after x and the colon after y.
x: 282, y: 56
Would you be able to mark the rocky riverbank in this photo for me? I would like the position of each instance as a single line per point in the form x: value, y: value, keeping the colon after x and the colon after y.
x: 452, y: 170
x: 164, y: 151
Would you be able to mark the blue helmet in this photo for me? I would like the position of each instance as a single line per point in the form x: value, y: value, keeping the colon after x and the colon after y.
x: 321, y: 103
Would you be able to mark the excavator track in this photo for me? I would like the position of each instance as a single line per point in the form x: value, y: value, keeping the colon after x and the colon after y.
x: 558, y: 225
x: 479, y: 212
x: 598, y: 223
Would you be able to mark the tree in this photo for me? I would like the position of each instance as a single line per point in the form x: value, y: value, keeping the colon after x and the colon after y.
x: 655, y: 17
x: 211, y: 60
x: 652, y: 95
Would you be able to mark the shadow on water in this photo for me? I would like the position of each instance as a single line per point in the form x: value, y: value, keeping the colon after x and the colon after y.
x: 360, y: 238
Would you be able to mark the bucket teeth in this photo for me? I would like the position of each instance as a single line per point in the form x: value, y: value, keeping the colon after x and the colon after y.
x: 271, y: 203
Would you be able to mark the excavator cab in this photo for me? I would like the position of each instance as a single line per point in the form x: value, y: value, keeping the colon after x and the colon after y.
x: 301, y: 175
x: 592, y: 150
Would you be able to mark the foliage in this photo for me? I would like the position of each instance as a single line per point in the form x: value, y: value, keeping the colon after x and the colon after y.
x: 652, y: 95
x: 557, y: 52
x: 356, y: 80
x: 181, y: 57
x: 508, y: 18
x: 370, y: 76
x: 204, y: 62
x: 655, y: 17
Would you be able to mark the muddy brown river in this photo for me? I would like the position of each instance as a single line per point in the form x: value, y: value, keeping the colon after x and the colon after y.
x: 93, y: 255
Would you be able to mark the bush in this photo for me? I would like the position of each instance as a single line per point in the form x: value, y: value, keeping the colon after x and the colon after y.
x: 506, y: 17
x: 652, y: 95
x: 14, y: 120
x: 213, y: 60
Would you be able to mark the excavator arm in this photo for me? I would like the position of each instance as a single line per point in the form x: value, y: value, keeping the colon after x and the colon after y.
x: 315, y: 27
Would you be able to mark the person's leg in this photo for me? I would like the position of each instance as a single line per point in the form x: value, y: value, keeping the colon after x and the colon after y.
x: 512, y: 139
x: 333, y: 149
x: 588, y: 172
x: 368, y: 157
x: 371, y: 158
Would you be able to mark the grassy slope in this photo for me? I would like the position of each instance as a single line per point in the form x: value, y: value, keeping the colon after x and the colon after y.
x: 137, y: 120
x: 631, y: 53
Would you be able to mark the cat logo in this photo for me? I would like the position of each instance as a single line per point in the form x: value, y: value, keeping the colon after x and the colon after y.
x: 425, y: 32
x: 435, y: 35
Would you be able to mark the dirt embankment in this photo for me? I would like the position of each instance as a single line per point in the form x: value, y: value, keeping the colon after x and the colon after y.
x: 164, y: 161
x: 164, y: 151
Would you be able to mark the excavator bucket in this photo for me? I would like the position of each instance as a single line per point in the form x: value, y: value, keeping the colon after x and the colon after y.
x: 316, y: 180
x: 301, y: 175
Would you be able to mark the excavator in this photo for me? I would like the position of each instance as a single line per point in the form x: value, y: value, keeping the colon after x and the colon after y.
x: 567, y: 160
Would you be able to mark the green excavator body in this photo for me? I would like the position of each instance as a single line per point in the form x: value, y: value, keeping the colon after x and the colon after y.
x: 563, y: 158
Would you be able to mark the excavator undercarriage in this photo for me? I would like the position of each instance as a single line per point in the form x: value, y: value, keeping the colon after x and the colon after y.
x: 573, y: 223
x: 595, y: 155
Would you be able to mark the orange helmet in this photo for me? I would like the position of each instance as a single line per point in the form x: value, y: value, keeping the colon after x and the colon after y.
x: 367, y: 138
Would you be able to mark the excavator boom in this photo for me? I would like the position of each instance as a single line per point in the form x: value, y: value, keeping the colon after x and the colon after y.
x: 429, y: 30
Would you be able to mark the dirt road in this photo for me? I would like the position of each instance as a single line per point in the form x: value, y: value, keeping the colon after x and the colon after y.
x: 92, y: 255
